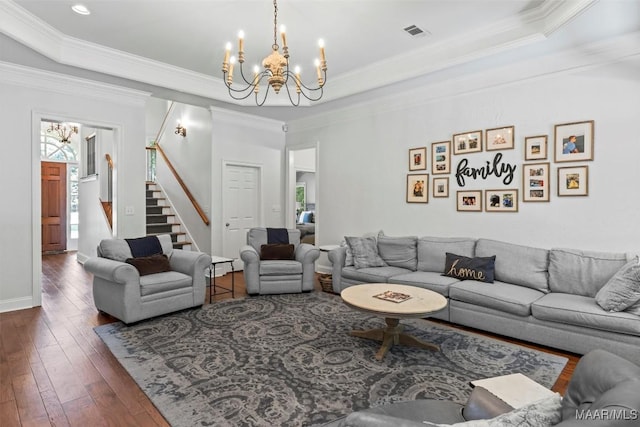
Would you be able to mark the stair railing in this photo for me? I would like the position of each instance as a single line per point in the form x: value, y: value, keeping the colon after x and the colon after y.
x: 151, y: 166
x: 192, y: 199
x: 107, y: 205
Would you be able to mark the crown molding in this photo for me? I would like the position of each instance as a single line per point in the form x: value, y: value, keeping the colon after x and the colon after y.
x: 569, y: 61
x: 245, y: 120
x: 529, y: 27
x: 554, y: 14
x: 62, y: 84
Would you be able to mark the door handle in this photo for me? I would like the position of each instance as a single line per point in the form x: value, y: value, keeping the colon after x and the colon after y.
x: 227, y: 224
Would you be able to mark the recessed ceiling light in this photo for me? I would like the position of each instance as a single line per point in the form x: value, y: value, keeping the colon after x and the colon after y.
x: 80, y: 9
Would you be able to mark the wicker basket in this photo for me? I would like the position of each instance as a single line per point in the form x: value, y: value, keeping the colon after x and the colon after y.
x: 326, y: 281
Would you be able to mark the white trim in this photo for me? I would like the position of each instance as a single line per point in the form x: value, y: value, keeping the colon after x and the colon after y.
x: 507, y: 34
x: 237, y: 118
x: 63, y: 84
x: 81, y: 258
x: 36, y: 188
x: 567, y: 61
x: 17, y: 304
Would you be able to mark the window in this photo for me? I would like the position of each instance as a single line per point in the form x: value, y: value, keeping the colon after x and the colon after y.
x: 91, y: 155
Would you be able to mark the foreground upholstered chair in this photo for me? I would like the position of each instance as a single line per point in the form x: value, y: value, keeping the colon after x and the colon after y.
x: 604, y: 391
x: 120, y: 290
x: 278, y: 276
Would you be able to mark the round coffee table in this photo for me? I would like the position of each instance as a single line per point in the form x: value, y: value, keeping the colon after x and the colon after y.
x: 422, y: 303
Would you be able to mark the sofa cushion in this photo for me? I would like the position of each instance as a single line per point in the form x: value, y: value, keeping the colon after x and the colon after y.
x: 365, y: 252
x: 152, y: 264
x: 465, y: 268
x: 399, y: 251
x: 622, y: 290
x: 280, y: 267
x: 432, y: 250
x: 583, y: 311
x: 501, y: 296
x: 520, y: 265
x: 374, y: 274
x: 425, y: 279
x: 579, y: 272
x: 115, y: 249
x: 162, y: 282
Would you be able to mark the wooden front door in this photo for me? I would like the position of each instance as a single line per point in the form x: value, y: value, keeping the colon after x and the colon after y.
x: 54, y: 206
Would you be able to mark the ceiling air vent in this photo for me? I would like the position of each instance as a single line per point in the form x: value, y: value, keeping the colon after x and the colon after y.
x: 416, y: 31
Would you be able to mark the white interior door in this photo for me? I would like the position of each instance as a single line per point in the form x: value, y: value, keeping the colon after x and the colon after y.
x: 241, y: 207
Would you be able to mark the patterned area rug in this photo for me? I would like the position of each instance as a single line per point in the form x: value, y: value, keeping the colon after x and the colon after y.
x: 288, y: 360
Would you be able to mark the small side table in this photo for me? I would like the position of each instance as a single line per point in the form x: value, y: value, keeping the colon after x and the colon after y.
x: 326, y: 280
x: 216, y: 260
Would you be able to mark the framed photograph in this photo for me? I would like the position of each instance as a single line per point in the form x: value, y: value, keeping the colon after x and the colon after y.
x: 417, y: 188
x: 574, y: 142
x: 441, y: 187
x: 500, y: 138
x: 503, y: 200
x: 468, y: 142
x: 469, y: 201
x: 417, y: 159
x: 573, y: 181
x: 535, y: 182
x: 535, y: 147
x: 441, y: 157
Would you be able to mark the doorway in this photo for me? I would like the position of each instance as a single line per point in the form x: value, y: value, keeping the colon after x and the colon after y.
x: 241, y: 207
x: 302, y: 189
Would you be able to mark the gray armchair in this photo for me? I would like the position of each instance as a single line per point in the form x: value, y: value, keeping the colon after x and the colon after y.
x: 278, y: 276
x: 604, y: 391
x: 119, y: 290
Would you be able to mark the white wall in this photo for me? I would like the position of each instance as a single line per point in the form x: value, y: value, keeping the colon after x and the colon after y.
x: 28, y: 96
x: 247, y: 140
x: 364, y: 156
x: 191, y: 157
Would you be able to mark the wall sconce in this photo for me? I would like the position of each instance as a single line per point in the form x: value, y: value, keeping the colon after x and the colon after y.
x: 181, y: 130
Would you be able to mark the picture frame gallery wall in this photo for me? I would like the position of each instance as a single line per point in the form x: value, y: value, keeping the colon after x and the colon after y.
x: 573, y: 142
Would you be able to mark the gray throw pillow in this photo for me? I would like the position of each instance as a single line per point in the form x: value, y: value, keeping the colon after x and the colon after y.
x: 622, y: 290
x: 365, y: 252
x: 399, y: 251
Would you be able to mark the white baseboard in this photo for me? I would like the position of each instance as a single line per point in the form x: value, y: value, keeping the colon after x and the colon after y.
x: 81, y: 258
x: 16, y: 304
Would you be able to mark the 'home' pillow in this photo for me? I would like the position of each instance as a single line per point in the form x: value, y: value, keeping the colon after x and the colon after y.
x: 622, y: 290
x: 465, y: 268
x: 158, y: 263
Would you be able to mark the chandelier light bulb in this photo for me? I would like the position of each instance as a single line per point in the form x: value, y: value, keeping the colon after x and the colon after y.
x: 241, y: 34
x: 297, y: 69
x: 256, y: 69
x: 232, y: 60
x: 227, y: 47
x: 320, y: 43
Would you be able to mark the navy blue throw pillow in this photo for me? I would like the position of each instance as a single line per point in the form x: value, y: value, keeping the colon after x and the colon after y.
x: 465, y: 268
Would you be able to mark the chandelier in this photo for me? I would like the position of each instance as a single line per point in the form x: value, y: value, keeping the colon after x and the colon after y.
x: 275, y: 70
x: 62, y: 132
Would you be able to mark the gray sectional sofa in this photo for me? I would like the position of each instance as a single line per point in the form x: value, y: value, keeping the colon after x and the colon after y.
x: 539, y: 295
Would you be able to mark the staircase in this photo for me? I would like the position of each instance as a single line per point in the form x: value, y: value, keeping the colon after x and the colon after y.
x: 161, y: 219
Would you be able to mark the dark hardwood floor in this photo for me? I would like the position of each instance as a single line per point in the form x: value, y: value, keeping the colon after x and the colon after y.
x: 54, y: 370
